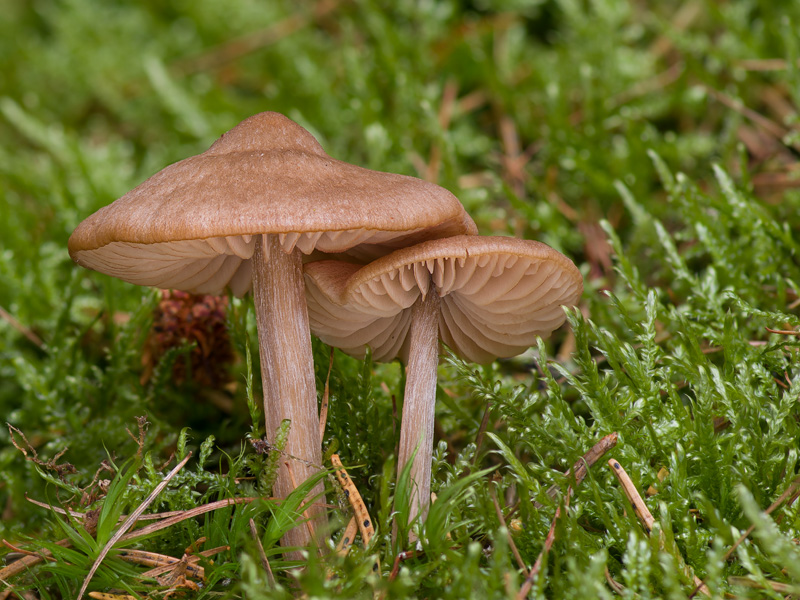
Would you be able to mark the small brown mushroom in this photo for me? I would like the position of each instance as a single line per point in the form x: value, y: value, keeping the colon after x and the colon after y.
x: 485, y: 297
x: 241, y: 215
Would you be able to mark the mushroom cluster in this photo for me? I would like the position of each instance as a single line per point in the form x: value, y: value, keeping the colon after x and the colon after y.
x: 485, y: 297
x: 264, y: 199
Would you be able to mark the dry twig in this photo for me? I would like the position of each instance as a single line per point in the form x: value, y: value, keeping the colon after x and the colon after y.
x: 548, y: 544
x: 236, y: 48
x: 343, y: 546
x: 581, y: 468
x: 579, y: 471
x: 169, y: 519
x: 262, y: 555
x: 6, y: 316
x: 647, y: 519
x: 323, y: 410
x: 493, y: 495
x: 363, y: 519
x: 134, y: 516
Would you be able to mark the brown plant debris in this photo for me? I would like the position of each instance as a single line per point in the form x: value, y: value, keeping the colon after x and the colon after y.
x: 180, y: 319
x: 648, y: 521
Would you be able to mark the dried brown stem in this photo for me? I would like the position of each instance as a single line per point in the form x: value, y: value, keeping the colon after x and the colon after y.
x: 493, y: 495
x: 234, y: 49
x: 548, y: 544
x: 362, y: 517
x: 783, y: 331
x: 791, y: 591
x: 262, y: 555
x: 128, y: 523
x: 6, y: 316
x: 160, y: 563
x: 27, y: 562
x: 793, y: 487
x: 400, y: 558
x: 764, y: 64
x: 343, y: 546
x: 581, y: 467
x: 647, y: 519
x: 323, y: 409
x: 768, y: 125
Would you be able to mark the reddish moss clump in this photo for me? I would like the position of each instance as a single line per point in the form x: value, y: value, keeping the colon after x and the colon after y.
x: 180, y: 319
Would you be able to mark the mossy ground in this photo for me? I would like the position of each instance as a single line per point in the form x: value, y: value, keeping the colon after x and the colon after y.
x: 656, y: 144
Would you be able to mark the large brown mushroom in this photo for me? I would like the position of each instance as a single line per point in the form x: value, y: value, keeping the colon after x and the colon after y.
x: 485, y: 297
x: 241, y: 215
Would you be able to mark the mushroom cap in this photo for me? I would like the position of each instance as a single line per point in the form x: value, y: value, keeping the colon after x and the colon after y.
x: 191, y: 225
x: 497, y: 295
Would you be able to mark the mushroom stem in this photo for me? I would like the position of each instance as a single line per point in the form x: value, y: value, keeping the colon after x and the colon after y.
x: 416, y: 429
x: 287, y: 369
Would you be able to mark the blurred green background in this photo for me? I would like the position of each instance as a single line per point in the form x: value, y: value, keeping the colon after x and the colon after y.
x: 675, y: 123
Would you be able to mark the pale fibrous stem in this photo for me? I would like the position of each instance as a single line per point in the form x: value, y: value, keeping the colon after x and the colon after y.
x: 287, y: 369
x: 416, y: 430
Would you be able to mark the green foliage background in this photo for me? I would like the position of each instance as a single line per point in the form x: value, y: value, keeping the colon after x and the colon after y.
x: 656, y: 144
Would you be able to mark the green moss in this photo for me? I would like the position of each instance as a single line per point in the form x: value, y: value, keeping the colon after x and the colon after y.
x: 654, y: 152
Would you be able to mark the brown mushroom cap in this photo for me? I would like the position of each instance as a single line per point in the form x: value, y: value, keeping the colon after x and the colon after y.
x: 497, y: 295
x: 191, y: 225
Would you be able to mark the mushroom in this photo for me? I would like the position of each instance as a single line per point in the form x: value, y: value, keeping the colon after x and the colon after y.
x: 241, y: 215
x: 485, y: 297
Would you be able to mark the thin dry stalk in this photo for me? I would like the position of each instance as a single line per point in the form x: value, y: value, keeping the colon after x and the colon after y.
x: 236, y: 48
x: 159, y: 563
x: 783, y: 331
x: 790, y: 491
x: 349, y: 535
x: 323, y: 409
x: 763, y: 122
x: 548, y: 544
x: 400, y: 558
x: 28, y: 562
x: 262, y: 555
x: 6, y: 316
x: 134, y: 516
x: 581, y: 468
x: 648, y: 86
x: 363, y: 519
x: 793, y: 487
x: 182, y: 516
x: 682, y: 19
x: 190, y: 560
x: 764, y: 64
x: 791, y: 591
x: 22, y: 551
x: 647, y: 519
x: 109, y: 596
x: 514, y: 159
x: 578, y: 471
x: 613, y: 583
x: 79, y: 515
x: 493, y: 495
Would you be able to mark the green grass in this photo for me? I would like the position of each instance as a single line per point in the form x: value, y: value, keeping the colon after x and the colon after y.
x: 657, y: 155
